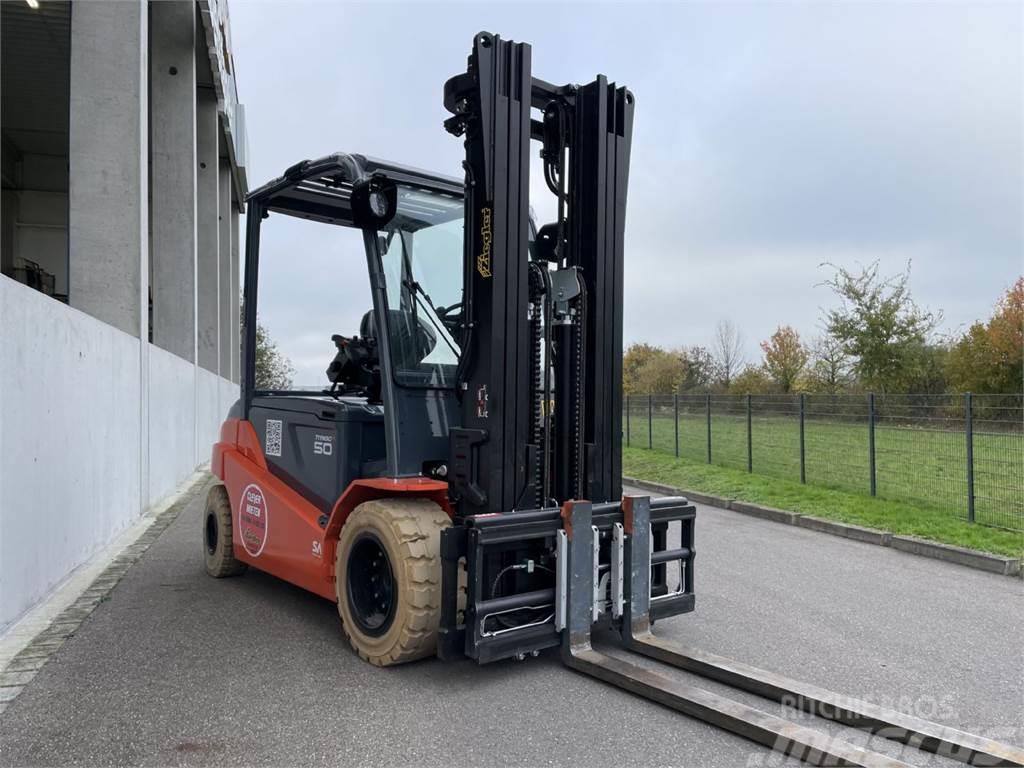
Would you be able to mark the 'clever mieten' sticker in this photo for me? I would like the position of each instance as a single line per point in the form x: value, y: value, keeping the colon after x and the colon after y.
x: 253, y: 520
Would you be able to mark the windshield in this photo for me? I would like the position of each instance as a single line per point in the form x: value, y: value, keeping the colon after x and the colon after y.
x: 421, y: 254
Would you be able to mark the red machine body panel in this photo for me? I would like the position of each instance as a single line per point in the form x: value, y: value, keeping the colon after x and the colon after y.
x: 279, y: 531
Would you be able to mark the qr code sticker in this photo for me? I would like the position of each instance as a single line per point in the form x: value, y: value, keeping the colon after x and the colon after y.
x: 273, y: 446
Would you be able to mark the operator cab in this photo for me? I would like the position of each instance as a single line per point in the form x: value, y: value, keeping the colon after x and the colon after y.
x: 395, y: 374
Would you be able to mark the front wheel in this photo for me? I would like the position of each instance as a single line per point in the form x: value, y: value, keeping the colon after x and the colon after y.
x: 388, y: 579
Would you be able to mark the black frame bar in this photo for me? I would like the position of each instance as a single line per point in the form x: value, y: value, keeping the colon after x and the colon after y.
x: 494, y: 100
x: 491, y: 105
x: 598, y: 185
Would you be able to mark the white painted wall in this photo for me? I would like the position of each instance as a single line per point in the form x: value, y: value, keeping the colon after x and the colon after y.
x: 73, y: 473
x: 214, y: 396
x: 172, y: 422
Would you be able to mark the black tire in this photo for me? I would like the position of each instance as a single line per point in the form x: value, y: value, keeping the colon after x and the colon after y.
x: 388, y: 579
x: 218, y: 536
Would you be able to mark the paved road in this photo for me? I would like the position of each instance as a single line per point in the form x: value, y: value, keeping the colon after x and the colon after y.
x: 179, y: 669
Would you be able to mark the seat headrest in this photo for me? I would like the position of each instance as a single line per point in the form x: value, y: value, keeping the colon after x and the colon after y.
x: 367, y: 327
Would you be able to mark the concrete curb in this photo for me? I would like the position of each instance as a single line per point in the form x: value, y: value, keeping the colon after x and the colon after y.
x: 765, y: 513
x: 668, y: 490
x: 969, y: 558
x: 855, y: 532
x: 982, y: 561
x: 707, y: 498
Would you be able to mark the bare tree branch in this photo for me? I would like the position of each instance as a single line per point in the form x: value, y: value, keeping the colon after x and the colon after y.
x: 728, y: 351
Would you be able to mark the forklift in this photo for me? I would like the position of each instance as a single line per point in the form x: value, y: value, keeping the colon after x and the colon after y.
x: 457, y: 488
x: 423, y: 489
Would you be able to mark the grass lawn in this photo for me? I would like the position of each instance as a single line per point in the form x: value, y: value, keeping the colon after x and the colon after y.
x: 925, y: 466
x: 907, y: 518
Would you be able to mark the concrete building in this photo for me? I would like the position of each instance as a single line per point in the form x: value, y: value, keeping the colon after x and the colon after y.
x: 123, y: 161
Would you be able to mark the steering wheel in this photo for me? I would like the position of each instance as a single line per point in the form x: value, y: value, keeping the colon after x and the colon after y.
x: 444, y: 312
x: 450, y: 317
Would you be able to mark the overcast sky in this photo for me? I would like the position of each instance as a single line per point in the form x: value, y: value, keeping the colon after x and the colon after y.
x: 768, y: 138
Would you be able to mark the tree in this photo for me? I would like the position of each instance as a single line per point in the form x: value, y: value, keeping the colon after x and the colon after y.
x: 829, y: 370
x: 1006, y: 330
x: 661, y: 374
x: 879, y: 325
x: 698, y: 369
x: 989, y: 357
x: 273, y: 369
x: 635, y: 358
x: 728, y: 349
x: 752, y: 380
x: 784, y: 357
x: 924, y: 371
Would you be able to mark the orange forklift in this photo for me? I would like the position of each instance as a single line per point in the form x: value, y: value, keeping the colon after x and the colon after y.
x: 422, y: 487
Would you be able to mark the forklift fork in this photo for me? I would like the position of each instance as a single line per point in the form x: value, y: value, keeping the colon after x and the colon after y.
x: 579, y: 602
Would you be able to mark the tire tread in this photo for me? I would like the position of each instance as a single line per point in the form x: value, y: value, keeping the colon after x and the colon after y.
x: 222, y: 563
x: 417, y: 526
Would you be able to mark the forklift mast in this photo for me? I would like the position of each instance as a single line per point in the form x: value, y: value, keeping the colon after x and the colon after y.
x: 540, y: 376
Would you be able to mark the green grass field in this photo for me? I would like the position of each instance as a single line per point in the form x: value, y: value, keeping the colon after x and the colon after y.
x: 925, y: 466
x: 916, y: 518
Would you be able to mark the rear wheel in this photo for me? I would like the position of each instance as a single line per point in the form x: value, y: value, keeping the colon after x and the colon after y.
x: 388, y: 579
x: 218, y: 546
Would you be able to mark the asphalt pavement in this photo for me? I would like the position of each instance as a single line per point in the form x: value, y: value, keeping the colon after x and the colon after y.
x: 176, y: 668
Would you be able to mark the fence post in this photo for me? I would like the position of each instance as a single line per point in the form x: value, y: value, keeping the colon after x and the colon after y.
x: 707, y: 410
x: 675, y: 411
x: 871, y: 440
x: 627, y: 421
x: 969, y: 429
x: 750, y: 440
x: 650, y: 421
x: 803, y: 450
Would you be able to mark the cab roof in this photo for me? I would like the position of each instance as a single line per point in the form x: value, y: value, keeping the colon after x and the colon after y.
x: 321, y: 189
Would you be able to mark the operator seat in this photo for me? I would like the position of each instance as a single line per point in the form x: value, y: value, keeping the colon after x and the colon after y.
x: 367, y: 327
x: 411, y: 339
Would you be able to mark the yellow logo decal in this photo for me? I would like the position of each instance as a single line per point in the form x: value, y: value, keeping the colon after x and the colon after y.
x: 483, y: 261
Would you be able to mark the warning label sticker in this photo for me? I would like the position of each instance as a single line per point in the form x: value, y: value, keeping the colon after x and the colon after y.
x: 252, y: 520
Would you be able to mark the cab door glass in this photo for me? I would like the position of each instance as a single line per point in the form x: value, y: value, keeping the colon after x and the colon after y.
x: 313, y: 283
x: 422, y: 259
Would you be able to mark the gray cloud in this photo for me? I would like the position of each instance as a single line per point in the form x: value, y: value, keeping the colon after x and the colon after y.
x: 769, y: 138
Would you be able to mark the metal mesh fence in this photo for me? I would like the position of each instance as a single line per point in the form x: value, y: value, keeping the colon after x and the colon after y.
x: 775, y: 436
x: 836, y: 442
x: 661, y: 424
x: 693, y: 428
x: 963, y: 454
x: 997, y: 447
x: 728, y: 431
